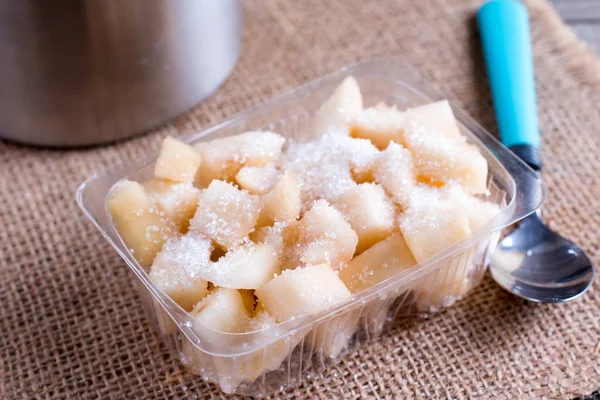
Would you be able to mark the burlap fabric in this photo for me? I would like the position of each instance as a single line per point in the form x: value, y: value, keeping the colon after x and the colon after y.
x: 72, y: 326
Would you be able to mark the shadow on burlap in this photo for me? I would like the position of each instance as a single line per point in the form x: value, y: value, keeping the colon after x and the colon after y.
x: 72, y: 325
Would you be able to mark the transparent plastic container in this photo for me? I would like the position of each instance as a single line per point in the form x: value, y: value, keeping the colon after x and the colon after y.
x: 262, y: 362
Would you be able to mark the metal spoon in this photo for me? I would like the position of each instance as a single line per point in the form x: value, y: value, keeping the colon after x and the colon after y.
x: 532, y: 262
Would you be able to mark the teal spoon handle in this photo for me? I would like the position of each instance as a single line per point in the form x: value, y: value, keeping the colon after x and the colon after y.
x: 504, y: 31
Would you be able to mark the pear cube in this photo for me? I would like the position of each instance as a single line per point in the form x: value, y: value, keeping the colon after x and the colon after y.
x: 370, y: 213
x: 440, y: 162
x: 380, y: 262
x: 176, y: 269
x: 442, y: 158
x: 257, y: 180
x: 339, y: 109
x: 433, y: 227
x: 332, y: 336
x: 302, y: 291
x: 437, y: 119
x: 222, y: 310
x: 282, y: 203
x: 178, y: 201
x: 177, y: 161
x: 271, y: 356
x: 223, y: 158
x: 478, y: 211
x: 226, y: 214
x: 245, y: 267
x: 380, y: 124
x: 444, y: 286
x: 232, y: 371
x: 322, y: 235
x: 141, y: 225
x: 394, y: 171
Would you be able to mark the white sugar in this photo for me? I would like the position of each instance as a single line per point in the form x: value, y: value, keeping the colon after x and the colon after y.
x: 394, y: 171
x: 226, y: 214
x: 189, y: 253
x: 258, y: 180
x: 324, y: 166
x: 425, y: 209
x: 429, y: 206
x: 262, y: 320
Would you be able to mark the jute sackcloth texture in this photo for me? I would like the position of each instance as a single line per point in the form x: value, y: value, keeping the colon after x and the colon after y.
x: 72, y: 325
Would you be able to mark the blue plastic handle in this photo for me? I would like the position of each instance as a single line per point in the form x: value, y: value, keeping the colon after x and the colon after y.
x: 504, y: 31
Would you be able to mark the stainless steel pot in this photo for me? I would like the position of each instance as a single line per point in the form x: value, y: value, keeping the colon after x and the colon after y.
x: 81, y: 72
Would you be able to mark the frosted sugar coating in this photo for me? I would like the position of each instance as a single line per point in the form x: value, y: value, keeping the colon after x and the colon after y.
x: 188, y: 254
x: 177, y: 268
x: 394, y: 171
x: 226, y: 214
x: 323, y: 235
x: 258, y: 180
x: 223, y: 158
x: 441, y: 158
x: 426, y: 208
x: 324, y: 166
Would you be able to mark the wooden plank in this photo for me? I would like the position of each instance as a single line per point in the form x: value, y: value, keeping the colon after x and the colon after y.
x: 578, y: 10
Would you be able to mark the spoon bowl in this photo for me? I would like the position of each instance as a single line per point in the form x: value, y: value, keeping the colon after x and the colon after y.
x: 538, y: 264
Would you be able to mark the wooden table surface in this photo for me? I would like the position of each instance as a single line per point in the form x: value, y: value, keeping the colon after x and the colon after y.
x: 584, y: 17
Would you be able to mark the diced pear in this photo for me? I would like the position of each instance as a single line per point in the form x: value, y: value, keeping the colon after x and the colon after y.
x: 449, y: 283
x: 222, y: 310
x: 461, y: 163
x: 441, y: 160
x: 332, y: 336
x: 302, y: 291
x: 176, y: 269
x: 339, y: 109
x: 179, y: 201
x: 431, y: 228
x: 282, y: 203
x: 437, y: 119
x: 143, y: 227
x: 370, y: 213
x: 478, y: 211
x: 245, y: 267
x: 380, y: 124
x: 394, y: 171
x: 226, y: 214
x: 322, y: 235
x: 232, y: 371
x: 177, y: 161
x: 249, y: 299
x: 223, y: 158
x: 453, y: 279
x: 257, y: 180
x: 226, y: 313
x: 270, y: 357
x: 380, y: 262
